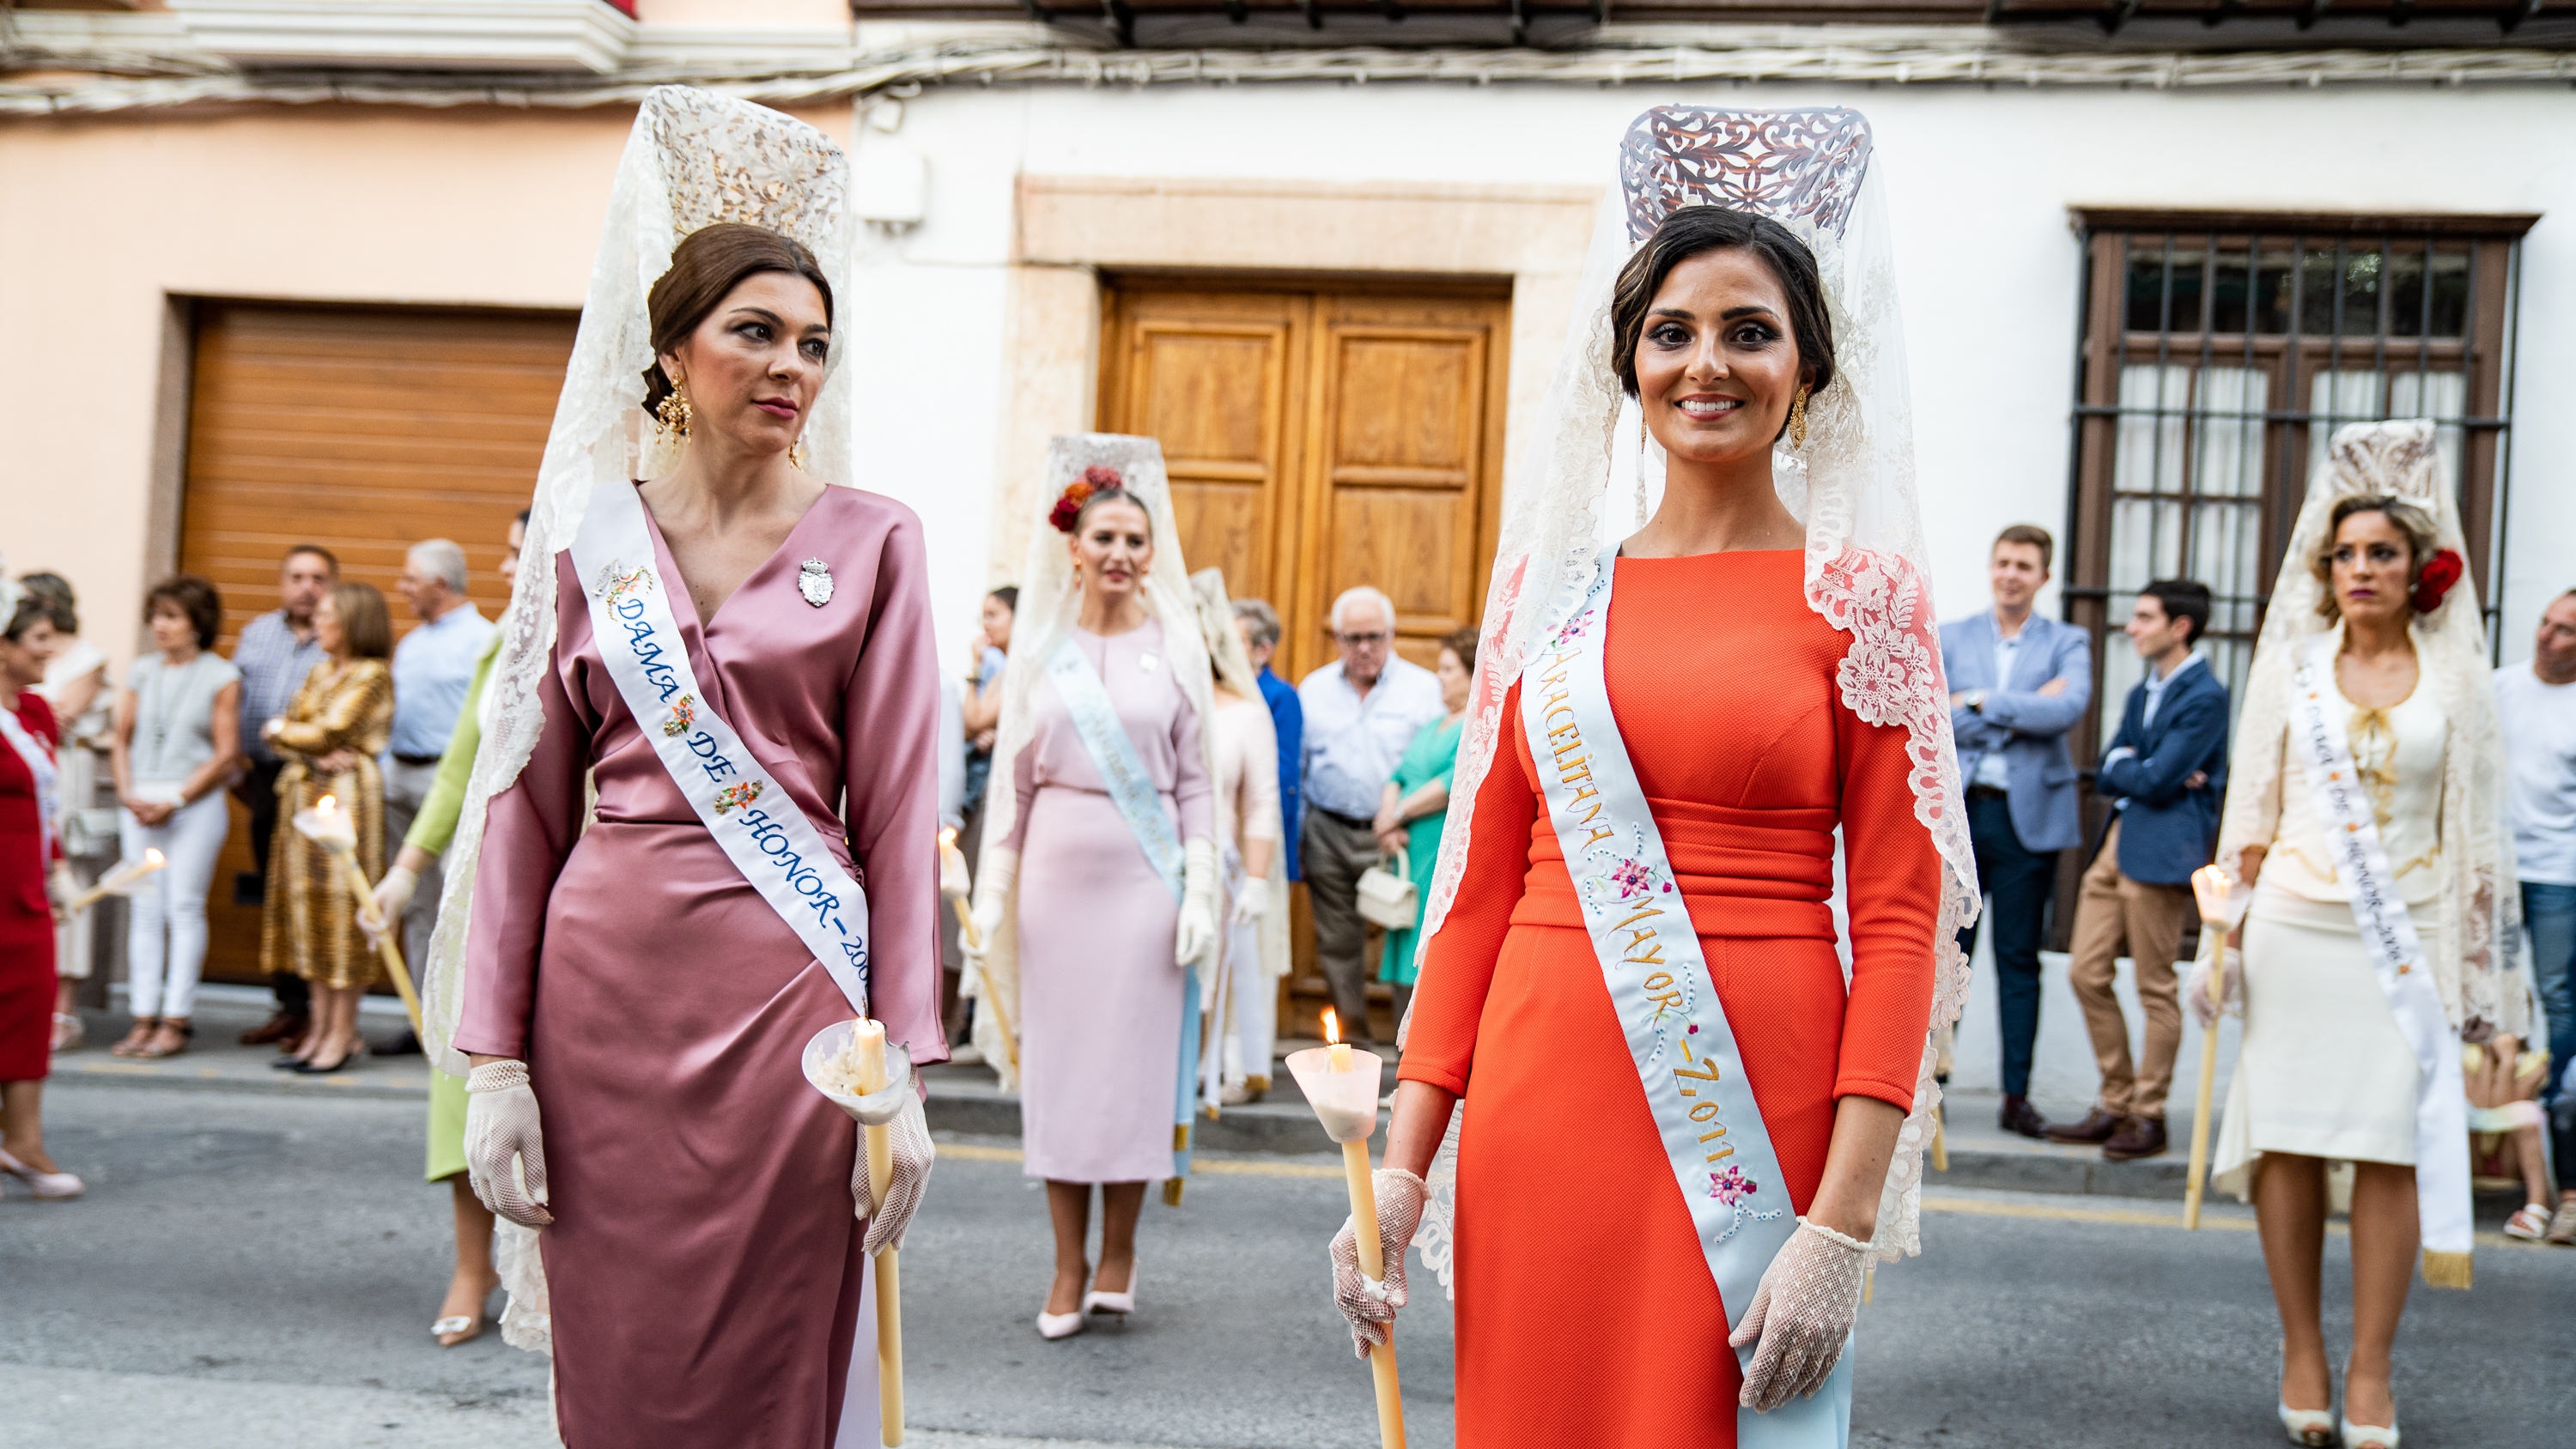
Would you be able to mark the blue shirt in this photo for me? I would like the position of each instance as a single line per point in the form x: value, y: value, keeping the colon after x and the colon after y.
x: 1288, y: 722
x: 979, y: 763
x: 433, y: 665
x: 273, y: 666
x: 1353, y: 742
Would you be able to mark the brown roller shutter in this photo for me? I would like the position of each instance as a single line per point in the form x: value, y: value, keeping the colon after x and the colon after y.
x: 365, y: 431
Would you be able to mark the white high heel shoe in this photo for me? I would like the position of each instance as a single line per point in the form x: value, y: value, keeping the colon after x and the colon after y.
x: 48, y: 1186
x: 1052, y: 1326
x: 2313, y: 1428
x: 2365, y: 1436
x: 1120, y: 1304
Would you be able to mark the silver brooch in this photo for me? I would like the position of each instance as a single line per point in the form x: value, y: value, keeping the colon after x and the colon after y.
x: 814, y: 581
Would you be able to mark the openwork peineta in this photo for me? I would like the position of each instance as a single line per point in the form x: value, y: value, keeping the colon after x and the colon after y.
x: 1791, y: 166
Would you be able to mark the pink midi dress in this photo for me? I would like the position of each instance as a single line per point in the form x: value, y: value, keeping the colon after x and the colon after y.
x: 704, y: 1261
x: 1100, y: 997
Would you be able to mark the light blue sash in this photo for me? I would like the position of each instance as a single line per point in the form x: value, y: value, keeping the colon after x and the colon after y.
x: 1660, y: 986
x: 763, y: 832
x: 1140, y: 804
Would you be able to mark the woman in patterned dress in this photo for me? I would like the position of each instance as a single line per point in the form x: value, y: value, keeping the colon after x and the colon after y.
x: 330, y: 737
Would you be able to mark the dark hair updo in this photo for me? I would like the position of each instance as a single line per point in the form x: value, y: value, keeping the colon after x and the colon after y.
x: 1694, y: 230
x: 705, y: 268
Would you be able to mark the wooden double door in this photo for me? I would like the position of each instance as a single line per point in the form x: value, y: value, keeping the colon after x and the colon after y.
x: 1320, y: 437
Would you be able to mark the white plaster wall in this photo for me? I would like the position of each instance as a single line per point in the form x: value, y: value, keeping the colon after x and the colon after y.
x: 1979, y: 182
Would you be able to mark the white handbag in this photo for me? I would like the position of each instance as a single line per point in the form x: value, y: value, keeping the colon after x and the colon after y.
x: 1386, y: 897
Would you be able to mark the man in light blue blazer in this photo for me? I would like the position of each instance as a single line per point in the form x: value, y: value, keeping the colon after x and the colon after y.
x: 2018, y: 683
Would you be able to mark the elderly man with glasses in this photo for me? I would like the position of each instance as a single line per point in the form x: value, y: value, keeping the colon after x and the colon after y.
x: 1360, y: 713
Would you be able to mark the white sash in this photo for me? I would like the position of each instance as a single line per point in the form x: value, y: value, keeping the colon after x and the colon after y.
x: 1131, y: 788
x: 48, y: 783
x: 774, y: 846
x: 2396, y: 956
x: 1122, y: 771
x: 1660, y: 986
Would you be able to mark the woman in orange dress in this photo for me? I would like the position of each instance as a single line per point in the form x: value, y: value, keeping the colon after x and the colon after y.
x: 1755, y: 730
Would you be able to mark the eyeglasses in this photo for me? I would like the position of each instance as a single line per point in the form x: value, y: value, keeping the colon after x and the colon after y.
x: 1360, y: 639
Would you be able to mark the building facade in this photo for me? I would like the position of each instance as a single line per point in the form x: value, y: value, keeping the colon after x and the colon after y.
x: 276, y: 269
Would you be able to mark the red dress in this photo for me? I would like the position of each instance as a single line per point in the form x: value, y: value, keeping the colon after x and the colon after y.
x: 1574, y: 1247
x: 26, y: 917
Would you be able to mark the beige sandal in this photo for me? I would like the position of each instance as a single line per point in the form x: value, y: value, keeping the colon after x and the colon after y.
x: 162, y: 1043
x: 137, y: 1039
x: 68, y: 1032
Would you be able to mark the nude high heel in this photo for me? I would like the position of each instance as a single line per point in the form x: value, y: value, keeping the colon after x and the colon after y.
x: 48, y: 1186
x: 1120, y: 1304
x: 2365, y: 1436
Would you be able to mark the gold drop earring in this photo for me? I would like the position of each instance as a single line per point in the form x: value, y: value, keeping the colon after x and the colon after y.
x: 1798, y: 418
x: 796, y: 454
x: 672, y: 418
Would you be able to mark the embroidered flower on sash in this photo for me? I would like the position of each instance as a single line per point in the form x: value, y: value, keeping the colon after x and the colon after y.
x: 1572, y: 629
x: 614, y: 585
x: 732, y: 797
x: 684, y: 713
x: 1732, y: 1186
x: 1633, y: 878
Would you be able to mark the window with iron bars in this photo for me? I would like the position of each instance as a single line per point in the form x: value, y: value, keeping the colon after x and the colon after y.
x: 2217, y: 355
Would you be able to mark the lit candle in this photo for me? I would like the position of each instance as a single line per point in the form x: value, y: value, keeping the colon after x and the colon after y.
x: 1341, y: 1084
x: 868, y: 1047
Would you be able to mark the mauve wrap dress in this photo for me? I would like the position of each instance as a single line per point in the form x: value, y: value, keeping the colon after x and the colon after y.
x: 1100, y: 998
x: 1748, y: 758
x: 704, y: 1260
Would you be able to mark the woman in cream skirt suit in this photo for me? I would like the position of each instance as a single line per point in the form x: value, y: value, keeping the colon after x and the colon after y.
x: 2344, y: 1059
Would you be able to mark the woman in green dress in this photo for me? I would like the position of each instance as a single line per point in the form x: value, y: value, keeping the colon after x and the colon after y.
x: 1416, y: 803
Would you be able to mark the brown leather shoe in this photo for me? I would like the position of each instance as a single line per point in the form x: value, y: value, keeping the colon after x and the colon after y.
x: 279, y: 1027
x: 2096, y: 1127
x: 2138, y: 1137
x: 2018, y: 1115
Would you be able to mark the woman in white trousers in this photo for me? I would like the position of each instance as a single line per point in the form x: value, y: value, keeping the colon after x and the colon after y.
x: 176, y: 744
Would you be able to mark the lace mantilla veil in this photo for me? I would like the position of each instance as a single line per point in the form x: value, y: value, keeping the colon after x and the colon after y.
x: 1852, y: 485
x: 694, y: 159
x: 1050, y: 604
x: 2473, y: 945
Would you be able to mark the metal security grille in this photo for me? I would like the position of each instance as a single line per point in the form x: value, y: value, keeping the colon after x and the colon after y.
x: 2219, y: 354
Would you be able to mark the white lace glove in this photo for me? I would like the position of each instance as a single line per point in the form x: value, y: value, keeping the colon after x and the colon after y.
x: 1802, y: 1315
x: 898, y: 1110
x: 61, y: 890
x: 500, y: 1131
x: 1251, y: 900
x: 2195, y: 992
x: 994, y: 877
x: 1198, y: 904
x: 1368, y: 1303
x: 393, y: 893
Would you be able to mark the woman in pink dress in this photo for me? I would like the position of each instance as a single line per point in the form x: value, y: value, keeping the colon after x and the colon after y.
x: 705, y: 1259
x: 1104, y: 939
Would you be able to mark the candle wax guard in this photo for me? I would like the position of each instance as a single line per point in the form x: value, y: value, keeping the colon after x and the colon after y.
x: 1346, y: 1101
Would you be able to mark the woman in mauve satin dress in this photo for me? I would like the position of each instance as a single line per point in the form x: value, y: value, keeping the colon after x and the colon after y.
x: 702, y: 1247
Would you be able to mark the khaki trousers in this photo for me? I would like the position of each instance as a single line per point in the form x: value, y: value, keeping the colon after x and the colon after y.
x: 2114, y: 917
x: 1335, y: 854
x: 406, y: 790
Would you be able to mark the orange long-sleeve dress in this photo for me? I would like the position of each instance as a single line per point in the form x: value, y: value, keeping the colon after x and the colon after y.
x: 1570, y: 1228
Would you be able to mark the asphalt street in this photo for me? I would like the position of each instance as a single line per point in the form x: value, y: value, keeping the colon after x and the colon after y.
x: 253, y: 1270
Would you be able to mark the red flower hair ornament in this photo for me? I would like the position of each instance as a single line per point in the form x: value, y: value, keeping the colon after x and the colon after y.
x: 2434, y: 580
x: 1095, y: 479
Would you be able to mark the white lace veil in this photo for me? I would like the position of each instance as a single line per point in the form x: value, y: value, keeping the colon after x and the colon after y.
x: 2473, y: 945
x: 1852, y: 485
x: 694, y: 158
x: 1050, y: 603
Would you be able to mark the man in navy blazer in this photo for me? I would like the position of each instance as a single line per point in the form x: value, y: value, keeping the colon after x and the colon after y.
x: 2165, y: 773
x: 2018, y: 682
